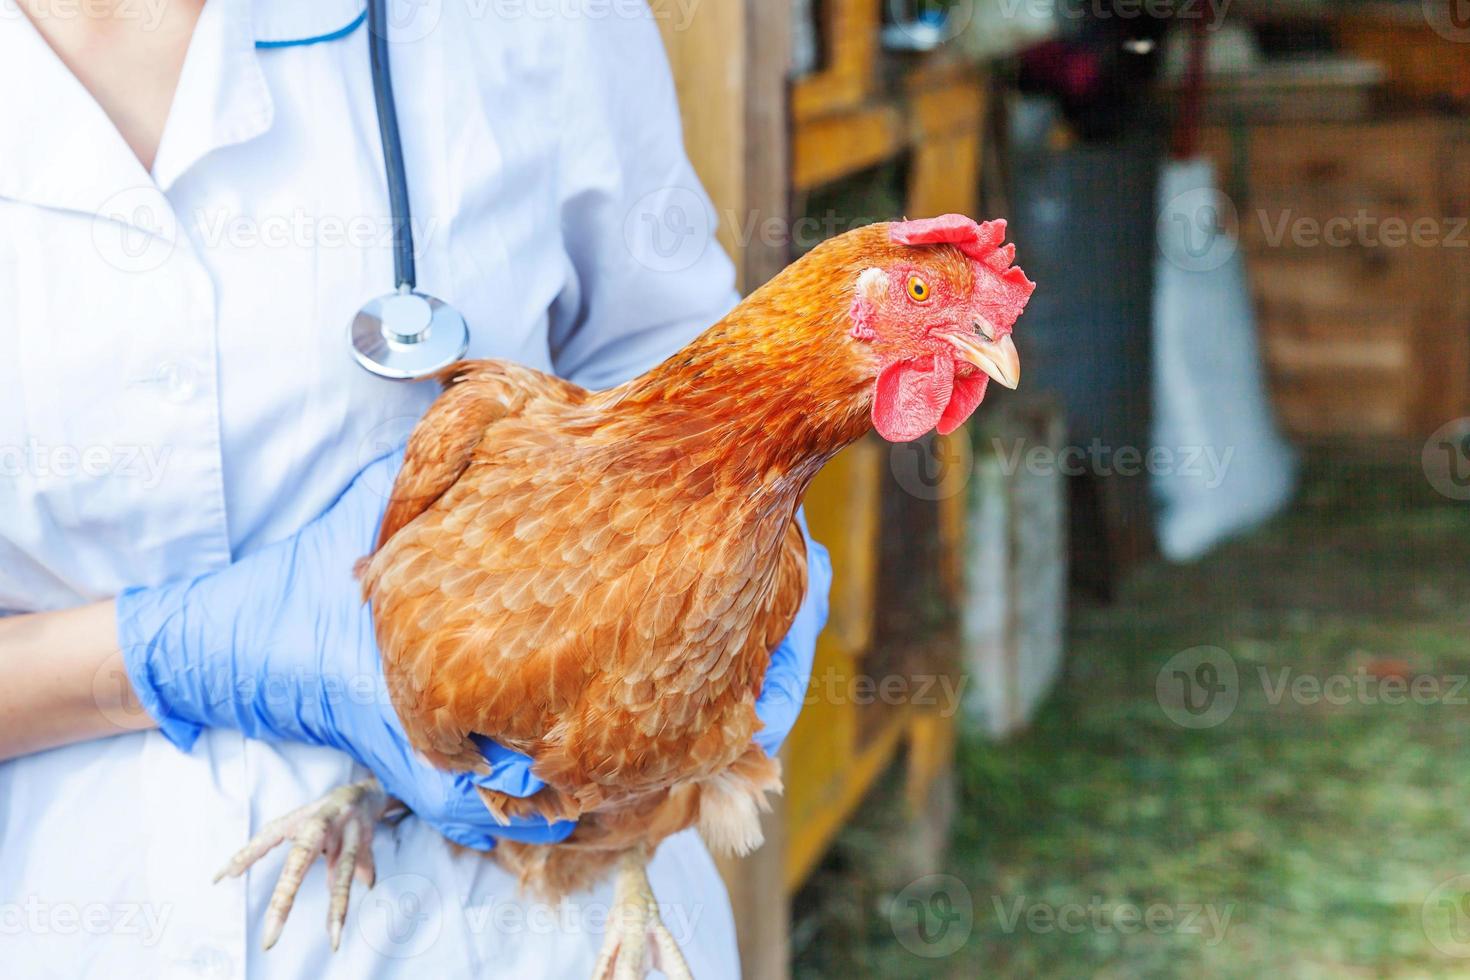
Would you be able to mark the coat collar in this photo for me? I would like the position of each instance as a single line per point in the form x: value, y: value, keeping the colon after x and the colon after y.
x: 222, y: 98
x: 290, y: 23
x: 58, y: 148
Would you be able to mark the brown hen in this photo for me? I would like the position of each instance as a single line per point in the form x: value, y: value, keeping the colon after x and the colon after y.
x: 597, y: 580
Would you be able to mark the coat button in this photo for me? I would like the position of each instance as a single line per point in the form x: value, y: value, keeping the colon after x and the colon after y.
x: 179, y: 381
x: 210, y: 961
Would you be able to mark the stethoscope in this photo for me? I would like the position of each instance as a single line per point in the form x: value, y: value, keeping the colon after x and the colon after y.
x: 406, y: 334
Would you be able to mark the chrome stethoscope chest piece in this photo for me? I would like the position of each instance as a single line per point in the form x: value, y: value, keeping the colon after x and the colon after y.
x: 404, y: 335
x: 407, y: 335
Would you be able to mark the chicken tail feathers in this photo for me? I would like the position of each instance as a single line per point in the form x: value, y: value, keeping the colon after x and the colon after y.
x: 731, y: 803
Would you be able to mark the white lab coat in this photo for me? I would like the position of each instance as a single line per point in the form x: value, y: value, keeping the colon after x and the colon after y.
x: 176, y: 391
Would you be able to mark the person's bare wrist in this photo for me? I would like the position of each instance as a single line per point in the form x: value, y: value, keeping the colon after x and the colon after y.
x: 62, y: 680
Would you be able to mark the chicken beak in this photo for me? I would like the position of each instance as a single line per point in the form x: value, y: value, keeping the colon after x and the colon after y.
x: 997, y: 358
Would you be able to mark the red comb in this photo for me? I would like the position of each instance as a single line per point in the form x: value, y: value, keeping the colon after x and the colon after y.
x: 1004, y: 297
x: 981, y: 242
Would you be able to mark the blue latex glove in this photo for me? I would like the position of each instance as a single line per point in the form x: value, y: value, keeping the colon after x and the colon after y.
x: 790, y: 672
x: 280, y: 646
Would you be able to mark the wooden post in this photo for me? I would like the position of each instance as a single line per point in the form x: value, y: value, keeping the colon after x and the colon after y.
x: 730, y: 62
x: 730, y: 68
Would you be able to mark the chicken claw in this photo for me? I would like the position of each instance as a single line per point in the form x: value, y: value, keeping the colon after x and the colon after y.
x: 339, y: 825
x: 636, y: 936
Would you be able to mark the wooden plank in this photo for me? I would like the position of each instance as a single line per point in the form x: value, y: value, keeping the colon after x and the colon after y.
x: 761, y: 902
x: 1296, y: 355
x: 1324, y: 277
x: 730, y: 63
x: 1418, y: 62
x: 956, y: 465
x: 953, y: 106
x: 842, y: 509
x: 1439, y: 376
x: 947, y: 132
x: 707, y: 49
x: 930, y: 755
x: 945, y: 176
x: 834, y: 147
x: 767, y: 141
x: 1353, y: 404
x: 729, y: 67
x: 849, y: 35
x: 1364, y: 323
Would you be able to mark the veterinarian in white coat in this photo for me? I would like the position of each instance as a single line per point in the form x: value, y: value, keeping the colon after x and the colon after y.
x: 191, y: 211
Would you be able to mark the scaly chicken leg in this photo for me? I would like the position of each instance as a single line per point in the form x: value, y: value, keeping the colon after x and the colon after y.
x: 636, y: 935
x: 341, y: 825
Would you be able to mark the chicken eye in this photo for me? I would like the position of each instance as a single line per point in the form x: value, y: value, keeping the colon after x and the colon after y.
x: 918, y: 289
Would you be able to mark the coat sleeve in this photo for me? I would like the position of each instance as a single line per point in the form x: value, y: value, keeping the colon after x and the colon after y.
x: 645, y: 273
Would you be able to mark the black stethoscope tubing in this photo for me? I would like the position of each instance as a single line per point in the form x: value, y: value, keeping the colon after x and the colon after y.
x: 403, y: 268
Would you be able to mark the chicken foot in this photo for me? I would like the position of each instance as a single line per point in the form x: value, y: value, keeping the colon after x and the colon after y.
x: 636, y: 935
x: 339, y: 825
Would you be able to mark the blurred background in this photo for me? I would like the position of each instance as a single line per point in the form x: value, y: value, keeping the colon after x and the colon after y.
x: 1159, y: 669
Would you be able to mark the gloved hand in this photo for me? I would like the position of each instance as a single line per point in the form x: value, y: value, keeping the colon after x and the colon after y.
x: 280, y: 646
x: 790, y: 671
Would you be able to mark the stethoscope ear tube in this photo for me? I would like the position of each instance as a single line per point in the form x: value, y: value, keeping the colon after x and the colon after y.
x: 403, y: 270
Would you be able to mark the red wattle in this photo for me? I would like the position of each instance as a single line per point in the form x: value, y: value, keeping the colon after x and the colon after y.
x: 910, y: 397
x: 969, y: 391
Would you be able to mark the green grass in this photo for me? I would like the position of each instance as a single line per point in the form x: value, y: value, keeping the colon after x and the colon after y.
x: 1321, y: 829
